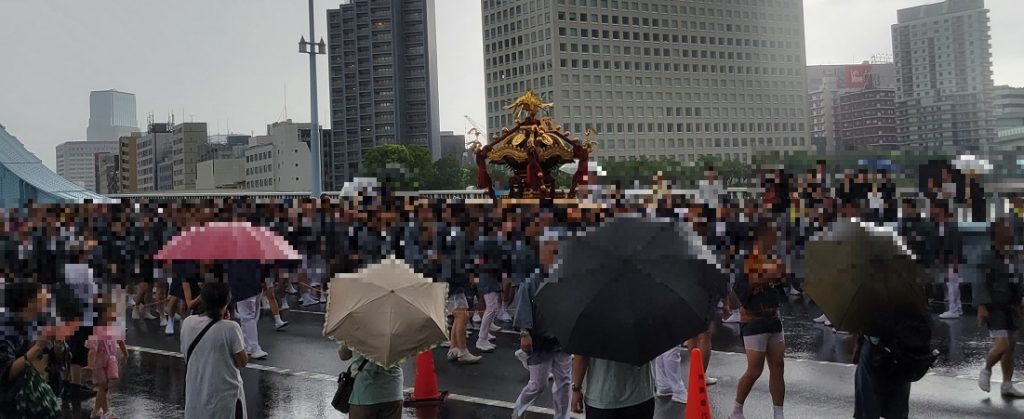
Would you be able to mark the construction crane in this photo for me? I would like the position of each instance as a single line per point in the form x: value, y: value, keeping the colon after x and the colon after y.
x: 475, y: 131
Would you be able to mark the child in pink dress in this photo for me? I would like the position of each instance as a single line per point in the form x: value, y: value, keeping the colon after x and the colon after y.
x: 106, y: 351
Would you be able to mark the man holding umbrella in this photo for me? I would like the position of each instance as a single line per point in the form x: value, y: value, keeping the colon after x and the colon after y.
x: 618, y: 301
x: 544, y: 354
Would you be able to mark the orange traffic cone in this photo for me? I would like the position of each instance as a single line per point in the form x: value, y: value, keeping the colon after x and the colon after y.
x: 697, y: 404
x: 426, y: 391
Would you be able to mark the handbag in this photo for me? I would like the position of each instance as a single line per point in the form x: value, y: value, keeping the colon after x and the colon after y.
x: 346, y: 382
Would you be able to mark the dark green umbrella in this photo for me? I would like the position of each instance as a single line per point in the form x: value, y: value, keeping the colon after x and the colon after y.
x: 630, y: 290
x: 862, y: 275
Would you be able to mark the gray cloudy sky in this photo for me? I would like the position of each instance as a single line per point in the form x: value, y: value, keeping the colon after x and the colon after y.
x: 228, y: 61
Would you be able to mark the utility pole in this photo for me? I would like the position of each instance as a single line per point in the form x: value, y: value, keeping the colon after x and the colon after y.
x: 315, y: 178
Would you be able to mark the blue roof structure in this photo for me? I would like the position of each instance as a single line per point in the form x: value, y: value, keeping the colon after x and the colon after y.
x: 23, y: 177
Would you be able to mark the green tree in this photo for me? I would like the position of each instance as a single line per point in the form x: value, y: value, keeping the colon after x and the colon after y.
x: 448, y: 174
x: 406, y: 166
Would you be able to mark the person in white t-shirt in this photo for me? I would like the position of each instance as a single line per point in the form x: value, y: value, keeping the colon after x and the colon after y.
x: 213, y: 383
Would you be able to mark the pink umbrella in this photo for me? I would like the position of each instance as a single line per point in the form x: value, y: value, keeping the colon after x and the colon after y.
x: 228, y: 241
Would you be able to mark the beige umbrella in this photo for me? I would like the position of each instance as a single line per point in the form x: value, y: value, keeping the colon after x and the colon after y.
x: 387, y: 312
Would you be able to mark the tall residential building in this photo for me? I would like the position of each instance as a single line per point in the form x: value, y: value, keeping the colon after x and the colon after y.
x: 865, y: 119
x: 1008, y: 106
x: 188, y: 143
x: 944, y: 77
x: 128, y: 167
x: 111, y: 115
x: 154, y: 147
x: 658, y: 78
x: 383, y: 67
x: 826, y: 83
x: 279, y: 161
x: 76, y: 160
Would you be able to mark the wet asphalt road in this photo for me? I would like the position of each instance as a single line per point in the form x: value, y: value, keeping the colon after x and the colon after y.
x: 299, y: 377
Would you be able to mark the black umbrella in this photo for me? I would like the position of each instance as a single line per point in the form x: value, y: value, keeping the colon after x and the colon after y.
x: 630, y: 290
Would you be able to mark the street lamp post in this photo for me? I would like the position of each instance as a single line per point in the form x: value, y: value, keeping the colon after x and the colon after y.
x: 315, y: 179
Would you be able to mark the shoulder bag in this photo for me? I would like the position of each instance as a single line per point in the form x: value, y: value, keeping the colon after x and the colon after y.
x: 346, y: 382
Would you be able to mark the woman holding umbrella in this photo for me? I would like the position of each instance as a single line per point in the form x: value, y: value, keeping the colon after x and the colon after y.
x: 759, y: 291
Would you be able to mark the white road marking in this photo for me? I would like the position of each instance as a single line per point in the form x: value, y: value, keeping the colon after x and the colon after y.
x: 334, y: 379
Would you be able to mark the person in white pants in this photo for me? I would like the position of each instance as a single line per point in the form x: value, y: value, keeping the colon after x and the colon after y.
x: 955, y: 310
x: 668, y: 375
x: 544, y: 355
x: 248, y: 313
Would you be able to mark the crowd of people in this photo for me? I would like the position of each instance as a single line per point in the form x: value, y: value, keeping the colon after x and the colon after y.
x: 84, y: 260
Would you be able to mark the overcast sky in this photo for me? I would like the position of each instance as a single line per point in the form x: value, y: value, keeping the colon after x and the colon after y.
x: 228, y: 62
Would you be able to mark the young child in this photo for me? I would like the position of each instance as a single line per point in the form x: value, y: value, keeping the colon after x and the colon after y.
x: 106, y: 351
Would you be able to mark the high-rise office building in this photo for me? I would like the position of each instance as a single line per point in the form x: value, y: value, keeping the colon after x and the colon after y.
x: 76, y: 160
x: 383, y: 69
x: 944, y: 77
x: 657, y: 78
x: 111, y: 115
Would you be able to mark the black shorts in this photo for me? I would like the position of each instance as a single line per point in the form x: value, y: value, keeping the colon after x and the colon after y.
x: 178, y: 290
x: 76, y: 345
x: 1003, y: 318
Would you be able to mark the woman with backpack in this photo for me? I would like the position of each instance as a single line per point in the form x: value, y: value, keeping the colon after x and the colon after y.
x: 998, y: 295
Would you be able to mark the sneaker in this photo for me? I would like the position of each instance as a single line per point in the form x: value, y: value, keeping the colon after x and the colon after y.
x: 150, y: 316
x: 985, y: 380
x: 323, y: 298
x: 177, y: 317
x: 260, y: 355
x: 522, y: 356
x: 733, y: 318
x: 169, y: 328
x: 491, y: 337
x: 950, y: 315
x: 467, y: 358
x: 163, y: 320
x: 821, y: 319
x: 551, y: 376
x: 1008, y: 390
x: 291, y: 289
x: 710, y: 381
x: 264, y: 303
x: 453, y: 353
x: 828, y: 323
x: 136, y: 315
x: 284, y: 304
x: 476, y: 317
x: 280, y: 326
x: 721, y: 304
x: 486, y: 347
x: 307, y: 300
x: 495, y: 328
